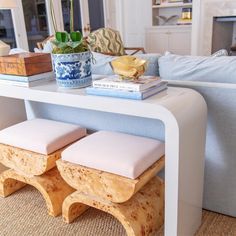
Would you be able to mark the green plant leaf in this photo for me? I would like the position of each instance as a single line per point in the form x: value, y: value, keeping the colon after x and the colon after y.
x: 62, y: 37
x: 76, y: 36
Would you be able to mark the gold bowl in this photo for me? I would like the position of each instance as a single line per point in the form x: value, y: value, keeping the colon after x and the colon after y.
x: 129, y: 67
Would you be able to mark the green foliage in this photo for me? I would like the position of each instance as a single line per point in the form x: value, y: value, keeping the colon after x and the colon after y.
x: 65, y: 42
x: 69, y: 43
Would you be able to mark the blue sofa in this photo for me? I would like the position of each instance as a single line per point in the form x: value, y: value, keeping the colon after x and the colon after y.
x: 215, y: 79
x: 197, y: 73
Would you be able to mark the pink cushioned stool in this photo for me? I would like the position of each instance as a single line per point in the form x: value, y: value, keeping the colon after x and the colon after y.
x: 116, y: 173
x: 30, y: 149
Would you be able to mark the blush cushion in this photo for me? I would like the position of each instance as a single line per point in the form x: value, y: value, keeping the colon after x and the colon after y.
x: 41, y: 135
x: 116, y: 153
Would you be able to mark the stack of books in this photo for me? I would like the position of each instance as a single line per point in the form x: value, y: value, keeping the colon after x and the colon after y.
x: 140, y: 89
x: 26, y: 81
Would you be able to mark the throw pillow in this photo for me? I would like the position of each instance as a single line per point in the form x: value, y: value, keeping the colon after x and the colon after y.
x: 107, y: 41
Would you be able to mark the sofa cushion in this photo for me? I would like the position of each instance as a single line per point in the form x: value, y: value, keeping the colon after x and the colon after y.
x: 41, y: 136
x: 116, y: 153
x: 195, y: 68
x: 101, y: 64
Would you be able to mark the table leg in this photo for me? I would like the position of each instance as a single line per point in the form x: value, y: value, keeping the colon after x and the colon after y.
x: 184, y: 169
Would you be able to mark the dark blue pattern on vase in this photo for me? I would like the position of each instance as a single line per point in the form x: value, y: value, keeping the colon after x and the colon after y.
x: 75, y: 73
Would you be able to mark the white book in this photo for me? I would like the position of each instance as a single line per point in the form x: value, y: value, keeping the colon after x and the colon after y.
x: 25, y: 84
x: 115, y: 82
x: 42, y: 76
x: 137, y: 95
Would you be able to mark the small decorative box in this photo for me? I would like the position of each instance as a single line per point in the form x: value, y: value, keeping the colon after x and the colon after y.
x: 25, y: 64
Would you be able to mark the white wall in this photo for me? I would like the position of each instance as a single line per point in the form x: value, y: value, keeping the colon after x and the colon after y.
x: 203, y: 13
x: 234, y: 34
x: 110, y: 13
x: 133, y: 16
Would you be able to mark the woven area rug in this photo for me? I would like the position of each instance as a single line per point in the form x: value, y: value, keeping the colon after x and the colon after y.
x: 24, y: 213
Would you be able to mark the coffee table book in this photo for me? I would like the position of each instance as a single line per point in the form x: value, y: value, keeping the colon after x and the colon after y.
x: 136, y: 95
x: 114, y: 82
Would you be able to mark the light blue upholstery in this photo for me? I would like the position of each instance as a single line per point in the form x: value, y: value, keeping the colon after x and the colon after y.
x: 220, y: 165
x: 95, y: 120
x: 101, y: 64
x: 208, y: 69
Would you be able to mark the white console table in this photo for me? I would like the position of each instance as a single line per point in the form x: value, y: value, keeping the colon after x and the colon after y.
x: 183, y: 112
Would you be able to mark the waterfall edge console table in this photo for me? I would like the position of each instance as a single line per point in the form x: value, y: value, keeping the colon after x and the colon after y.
x: 184, y: 114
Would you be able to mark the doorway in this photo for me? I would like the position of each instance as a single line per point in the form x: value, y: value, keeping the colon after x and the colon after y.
x: 88, y: 15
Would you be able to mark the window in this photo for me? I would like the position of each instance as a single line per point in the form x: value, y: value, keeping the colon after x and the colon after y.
x: 65, y: 4
x: 36, y: 21
x: 7, y: 33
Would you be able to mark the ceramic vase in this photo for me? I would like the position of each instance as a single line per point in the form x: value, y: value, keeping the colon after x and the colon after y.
x: 73, y: 70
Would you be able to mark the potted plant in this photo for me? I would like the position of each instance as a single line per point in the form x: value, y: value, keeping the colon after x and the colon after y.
x: 71, y: 56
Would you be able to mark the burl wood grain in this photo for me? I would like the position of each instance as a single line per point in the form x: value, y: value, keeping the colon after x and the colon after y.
x: 108, y: 186
x: 25, y: 64
x: 51, y: 185
x: 142, y: 215
x: 27, y: 162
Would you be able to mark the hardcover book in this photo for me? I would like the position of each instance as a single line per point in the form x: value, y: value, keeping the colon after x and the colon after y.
x: 114, y: 82
x: 137, y: 95
x: 42, y: 76
x: 25, y: 83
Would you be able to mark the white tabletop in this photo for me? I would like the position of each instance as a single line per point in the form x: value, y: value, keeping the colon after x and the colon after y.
x: 50, y: 93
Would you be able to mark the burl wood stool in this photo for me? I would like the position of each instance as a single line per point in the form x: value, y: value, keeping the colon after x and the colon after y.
x: 30, y: 149
x: 116, y: 173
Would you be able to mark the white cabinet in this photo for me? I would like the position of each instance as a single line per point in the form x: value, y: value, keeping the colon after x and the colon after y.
x: 175, y: 39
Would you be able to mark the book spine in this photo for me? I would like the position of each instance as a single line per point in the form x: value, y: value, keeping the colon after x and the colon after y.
x: 25, y: 83
x: 153, y: 92
x: 117, y: 86
x: 26, y: 79
x: 114, y: 93
x: 126, y: 94
x: 14, y: 78
x: 14, y: 83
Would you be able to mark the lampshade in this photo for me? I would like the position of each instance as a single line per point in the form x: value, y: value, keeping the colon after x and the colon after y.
x: 7, y: 4
x: 4, y: 48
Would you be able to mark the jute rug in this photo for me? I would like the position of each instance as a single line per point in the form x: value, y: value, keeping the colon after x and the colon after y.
x: 24, y: 214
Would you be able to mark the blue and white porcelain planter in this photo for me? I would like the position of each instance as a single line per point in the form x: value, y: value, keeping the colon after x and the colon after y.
x: 73, y: 70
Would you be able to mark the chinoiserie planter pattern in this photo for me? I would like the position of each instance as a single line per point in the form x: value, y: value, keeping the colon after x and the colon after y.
x: 73, y: 70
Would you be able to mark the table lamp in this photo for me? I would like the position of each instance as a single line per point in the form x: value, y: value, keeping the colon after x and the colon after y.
x: 4, y: 48
x: 7, y: 4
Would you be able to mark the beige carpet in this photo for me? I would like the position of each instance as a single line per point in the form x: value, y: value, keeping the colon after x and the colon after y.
x: 24, y: 213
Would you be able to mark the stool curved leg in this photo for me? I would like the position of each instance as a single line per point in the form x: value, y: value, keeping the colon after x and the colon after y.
x: 142, y: 215
x: 9, y: 186
x: 71, y: 209
x: 51, y: 185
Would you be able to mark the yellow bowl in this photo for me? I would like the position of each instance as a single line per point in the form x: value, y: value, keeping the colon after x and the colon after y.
x: 129, y: 67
